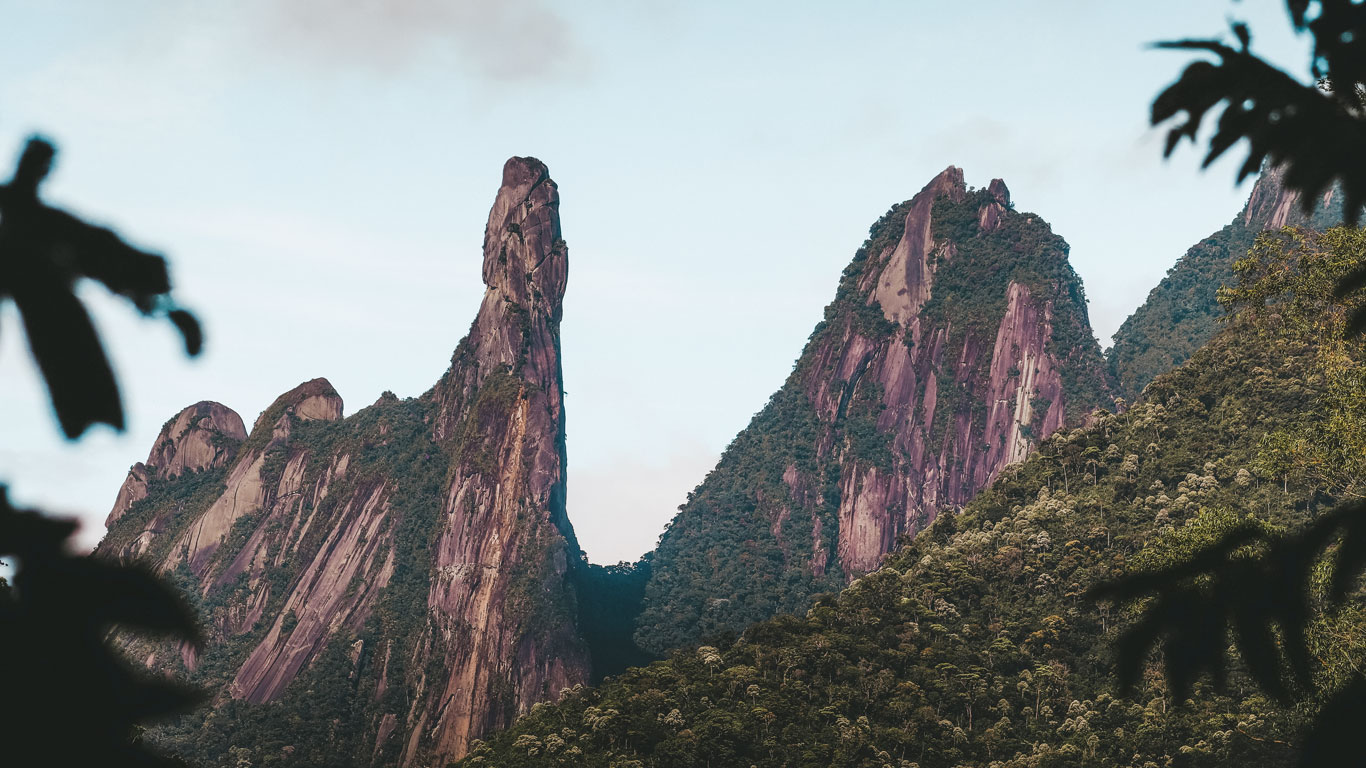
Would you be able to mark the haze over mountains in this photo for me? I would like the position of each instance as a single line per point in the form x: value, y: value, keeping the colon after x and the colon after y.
x: 384, y: 587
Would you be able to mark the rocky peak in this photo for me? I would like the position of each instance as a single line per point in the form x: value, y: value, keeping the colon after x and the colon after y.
x: 313, y: 400
x: 203, y: 435
x: 525, y: 269
x: 526, y: 266
x: 957, y: 340
x: 989, y: 215
x: 434, y: 527
x: 524, y: 258
x: 998, y: 190
x: 133, y: 490
x: 949, y: 183
x: 1272, y: 205
x: 905, y: 283
x: 500, y: 410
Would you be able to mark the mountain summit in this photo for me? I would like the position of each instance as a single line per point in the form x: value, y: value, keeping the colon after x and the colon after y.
x: 380, y: 588
x: 958, y: 338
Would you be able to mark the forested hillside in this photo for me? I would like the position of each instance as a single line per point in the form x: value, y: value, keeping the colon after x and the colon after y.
x: 1181, y: 313
x: 975, y: 644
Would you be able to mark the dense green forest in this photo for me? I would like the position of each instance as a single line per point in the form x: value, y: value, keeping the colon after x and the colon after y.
x: 976, y: 644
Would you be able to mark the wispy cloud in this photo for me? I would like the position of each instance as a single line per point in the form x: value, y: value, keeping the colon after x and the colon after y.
x: 507, y: 41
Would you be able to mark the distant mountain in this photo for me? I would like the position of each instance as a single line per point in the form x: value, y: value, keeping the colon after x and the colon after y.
x: 1181, y: 313
x: 384, y: 587
x: 974, y: 643
x: 957, y: 340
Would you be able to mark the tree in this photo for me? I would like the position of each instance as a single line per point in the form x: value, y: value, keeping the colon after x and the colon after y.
x: 1252, y: 583
x: 68, y: 698
x: 1317, y: 132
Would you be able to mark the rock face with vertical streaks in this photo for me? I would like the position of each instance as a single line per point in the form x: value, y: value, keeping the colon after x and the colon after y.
x: 384, y: 587
x: 957, y: 340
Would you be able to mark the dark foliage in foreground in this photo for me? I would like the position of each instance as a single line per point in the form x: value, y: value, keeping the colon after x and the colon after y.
x: 67, y: 698
x: 1259, y: 586
x: 1317, y: 132
x: 1265, y: 591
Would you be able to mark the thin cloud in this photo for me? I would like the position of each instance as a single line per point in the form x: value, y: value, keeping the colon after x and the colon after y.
x: 508, y: 41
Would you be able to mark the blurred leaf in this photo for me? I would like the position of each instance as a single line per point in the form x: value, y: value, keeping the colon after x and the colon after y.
x: 1334, y: 739
x: 44, y: 252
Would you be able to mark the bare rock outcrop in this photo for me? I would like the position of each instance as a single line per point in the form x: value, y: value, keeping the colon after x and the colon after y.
x: 1272, y: 205
x: 133, y: 490
x: 989, y: 215
x: 203, y: 436
x: 500, y: 409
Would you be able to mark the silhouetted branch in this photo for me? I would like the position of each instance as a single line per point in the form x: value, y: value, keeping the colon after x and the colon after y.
x: 44, y: 252
x: 60, y: 675
x: 66, y: 698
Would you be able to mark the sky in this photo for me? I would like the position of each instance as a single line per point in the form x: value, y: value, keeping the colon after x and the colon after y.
x: 319, y: 175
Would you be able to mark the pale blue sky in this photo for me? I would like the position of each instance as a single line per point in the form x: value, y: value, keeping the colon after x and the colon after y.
x: 320, y: 175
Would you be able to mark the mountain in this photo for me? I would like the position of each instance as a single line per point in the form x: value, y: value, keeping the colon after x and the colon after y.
x: 382, y: 587
x: 974, y: 644
x: 958, y: 338
x: 1181, y: 313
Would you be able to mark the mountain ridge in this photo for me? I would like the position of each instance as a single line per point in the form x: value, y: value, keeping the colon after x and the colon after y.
x: 974, y: 644
x: 380, y: 587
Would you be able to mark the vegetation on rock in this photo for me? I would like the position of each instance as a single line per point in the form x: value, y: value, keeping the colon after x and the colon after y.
x: 975, y: 644
x: 899, y: 406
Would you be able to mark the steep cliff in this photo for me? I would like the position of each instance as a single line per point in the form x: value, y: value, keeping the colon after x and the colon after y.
x: 958, y: 338
x: 384, y: 587
x: 1181, y: 313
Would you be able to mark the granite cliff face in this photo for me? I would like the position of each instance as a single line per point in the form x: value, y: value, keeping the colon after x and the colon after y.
x: 957, y: 340
x: 502, y: 620
x: 1182, y: 313
x: 381, y: 588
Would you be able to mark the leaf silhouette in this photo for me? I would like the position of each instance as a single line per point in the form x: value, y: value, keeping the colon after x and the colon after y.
x: 57, y: 666
x: 44, y: 253
x: 1334, y: 739
x: 1315, y: 134
x: 55, y: 658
